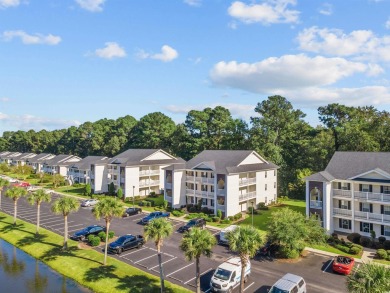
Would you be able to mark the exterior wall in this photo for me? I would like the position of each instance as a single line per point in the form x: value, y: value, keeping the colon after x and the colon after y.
x: 100, y: 179
x: 251, y: 159
x: 270, y: 195
x: 63, y: 171
x: 232, y: 205
x: 158, y: 156
x: 131, y: 179
x: 178, y: 184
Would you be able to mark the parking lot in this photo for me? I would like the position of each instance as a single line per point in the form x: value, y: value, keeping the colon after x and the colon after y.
x: 315, y: 269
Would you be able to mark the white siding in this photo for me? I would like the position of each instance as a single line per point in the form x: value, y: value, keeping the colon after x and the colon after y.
x: 131, y: 179
x: 158, y: 156
x: 100, y: 179
x: 232, y: 205
x: 251, y: 159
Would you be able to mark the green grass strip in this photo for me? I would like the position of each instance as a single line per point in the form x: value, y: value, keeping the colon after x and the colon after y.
x: 82, y: 265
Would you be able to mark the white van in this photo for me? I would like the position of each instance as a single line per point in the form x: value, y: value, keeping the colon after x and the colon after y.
x: 222, y: 234
x: 228, y: 275
x: 289, y: 283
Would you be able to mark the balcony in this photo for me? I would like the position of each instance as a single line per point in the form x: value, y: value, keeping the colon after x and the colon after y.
x: 190, y: 178
x: 149, y: 183
x: 342, y: 212
x: 316, y: 204
x: 342, y: 193
x: 246, y: 181
x: 168, y: 185
x: 168, y: 198
x: 149, y: 172
x: 190, y: 192
x: 370, y: 196
x: 221, y: 192
x: 221, y: 207
x: 379, y: 218
x: 202, y: 193
x: 247, y: 196
x: 205, y: 180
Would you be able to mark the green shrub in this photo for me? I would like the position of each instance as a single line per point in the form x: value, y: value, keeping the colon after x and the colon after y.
x: 111, y: 234
x: 237, y: 216
x: 177, y: 213
x: 354, y: 237
x: 225, y: 221
x: 192, y: 209
x: 219, y: 214
x: 90, y: 237
x: 381, y: 239
x: 165, y: 204
x: 335, y: 236
x: 386, y: 244
x: 381, y: 253
x: 95, y: 241
x: 288, y: 253
x: 342, y: 248
x: 102, y: 236
x: 231, y: 218
x: 365, y: 241
x: 354, y: 250
x: 216, y: 219
x: 209, y: 219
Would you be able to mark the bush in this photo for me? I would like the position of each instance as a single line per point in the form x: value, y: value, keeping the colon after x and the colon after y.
x: 209, y: 219
x: 381, y: 253
x: 216, y: 219
x: 237, y: 216
x: 207, y: 211
x: 225, y: 221
x: 153, y: 194
x: 386, y: 244
x: 354, y: 250
x: 335, y: 236
x: 262, y: 206
x: 219, y: 214
x: 288, y: 253
x: 231, y: 218
x: 192, y: 209
x: 95, y: 241
x: 365, y: 241
x: 381, y: 239
x: 90, y: 237
x: 343, y: 248
x: 177, y: 213
x: 102, y: 236
x: 165, y: 204
x: 354, y: 237
x: 111, y: 234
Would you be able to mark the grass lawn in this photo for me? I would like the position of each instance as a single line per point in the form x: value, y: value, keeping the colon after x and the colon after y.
x: 71, y: 190
x: 82, y: 265
x: 261, y: 220
x: 329, y: 248
x: 382, y: 261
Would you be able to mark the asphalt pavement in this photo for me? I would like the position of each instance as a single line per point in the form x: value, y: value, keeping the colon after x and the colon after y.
x: 314, y: 268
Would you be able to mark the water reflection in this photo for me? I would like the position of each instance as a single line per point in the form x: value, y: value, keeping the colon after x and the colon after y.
x: 19, y: 272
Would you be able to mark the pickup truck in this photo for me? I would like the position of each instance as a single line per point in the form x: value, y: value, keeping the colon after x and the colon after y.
x: 154, y: 215
x: 126, y: 242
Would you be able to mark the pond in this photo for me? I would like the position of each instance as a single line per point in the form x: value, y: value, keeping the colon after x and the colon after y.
x: 20, y: 272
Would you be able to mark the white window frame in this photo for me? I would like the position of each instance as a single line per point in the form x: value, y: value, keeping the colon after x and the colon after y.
x: 265, y: 174
x: 345, y: 224
x: 344, y: 204
x: 386, y: 189
x: 365, y: 207
x: 386, y: 210
x: 211, y: 202
x: 365, y: 187
x: 265, y: 187
x: 365, y: 227
x: 386, y: 231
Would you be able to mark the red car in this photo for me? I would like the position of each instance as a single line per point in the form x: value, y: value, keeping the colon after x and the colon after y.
x: 343, y: 264
x: 21, y: 184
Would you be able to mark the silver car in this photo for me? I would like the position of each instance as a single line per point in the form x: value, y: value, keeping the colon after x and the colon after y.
x: 89, y: 202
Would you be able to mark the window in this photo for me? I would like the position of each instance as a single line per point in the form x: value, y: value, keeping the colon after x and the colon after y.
x: 386, y: 189
x: 204, y: 201
x: 204, y: 187
x: 265, y: 174
x: 294, y: 290
x: 345, y: 224
x: 386, y: 230
x: 365, y: 187
x: 265, y: 200
x: 366, y: 227
x: 386, y: 210
x: 274, y: 184
x: 266, y: 187
x: 365, y: 207
x: 345, y: 205
x: 212, y: 188
x: 211, y: 202
x: 274, y: 172
x: 115, y: 177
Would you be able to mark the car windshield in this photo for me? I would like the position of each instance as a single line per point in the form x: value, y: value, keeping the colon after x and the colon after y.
x: 121, y: 239
x: 129, y: 210
x: 277, y: 290
x: 222, y: 274
x: 191, y: 223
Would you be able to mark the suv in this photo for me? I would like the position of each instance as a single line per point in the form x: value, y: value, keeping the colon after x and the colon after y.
x: 198, y: 222
x: 83, y: 234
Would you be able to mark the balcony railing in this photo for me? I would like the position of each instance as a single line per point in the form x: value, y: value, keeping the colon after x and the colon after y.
x: 370, y: 196
x: 342, y: 212
x: 220, y: 207
x: 247, y: 196
x: 190, y: 192
x: 168, y: 185
x: 205, y: 180
x: 316, y: 204
x: 149, y: 172
x: 149, y: 183
x: 190, y: 178
x: 342, y: 193
x: 221, y: 191
x: 246, y: 181
x: 380, y: 218
x: 204, y: 193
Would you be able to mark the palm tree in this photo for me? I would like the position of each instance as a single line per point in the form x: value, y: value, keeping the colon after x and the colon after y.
x: 64, y: 206
x: 15, y: 193
x: 107, y: 208
x: 37, y: 198
x: 157, y: 230
x: 245, y: 240
x: 195, y: 243
x: 369, y: 278
x: 3, y: 183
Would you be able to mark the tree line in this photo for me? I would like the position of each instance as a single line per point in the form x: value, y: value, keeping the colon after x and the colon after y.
x: 276, y: 130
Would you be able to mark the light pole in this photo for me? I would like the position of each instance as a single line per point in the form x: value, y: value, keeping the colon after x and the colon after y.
x: 252, y: 213
x: 133, y: 196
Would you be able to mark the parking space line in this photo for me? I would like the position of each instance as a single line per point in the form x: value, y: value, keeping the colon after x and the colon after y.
x: 248, y: 286
x: 43, y: 216
x: 162, y: 263
x: 144, y: 258
x: 185, y: 283
x: 46, y: 223
x: 180, y: 269
x: 138, y: 250
x: 327, y: 266
x: 138, y: 219
x: 57, y: 224
x: 167, y: 254
x: 26, y: 212
x: 77, y: 225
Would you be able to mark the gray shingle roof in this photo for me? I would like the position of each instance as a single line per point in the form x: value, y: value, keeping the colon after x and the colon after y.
x: 60, y: 160
x: 85, y: 163
x: 38, y: 158
x: 344, y: 165
x: 322, y: 176
x: 25, y: 156
x: 134, y: 157
x: 227, y: 161
x: 11, y: 155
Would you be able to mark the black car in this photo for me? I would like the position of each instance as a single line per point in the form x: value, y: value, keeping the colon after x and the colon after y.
x: 131, y: 212
x: 198, y: 222
x: 126, y: 242
x: 83, y: 234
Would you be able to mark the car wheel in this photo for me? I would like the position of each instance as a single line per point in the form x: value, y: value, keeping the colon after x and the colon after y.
x: 230, y: 290
x: 139, y: 245
x: 120, y: 250
x: 82, y: 238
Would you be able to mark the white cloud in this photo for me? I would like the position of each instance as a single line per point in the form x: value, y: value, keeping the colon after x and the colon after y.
x: 268, y: 12
x: 91, y: 5
x: 239, y: 110
x: 286, y: 72
x: 26, y: 122
x: 193, y: 2
x: 4, y: 99
x: 9, y: 3
x: 32, y: 39
x: 363, y: 44
x: 326, y: 9
x: 387, y: 24
x: 110, y: 51
x: 167, y: 54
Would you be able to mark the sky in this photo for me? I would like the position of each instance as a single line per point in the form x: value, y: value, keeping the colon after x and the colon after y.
x: 65, y: 62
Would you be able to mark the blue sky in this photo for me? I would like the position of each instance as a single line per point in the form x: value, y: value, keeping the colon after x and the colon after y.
x: 64, y: 62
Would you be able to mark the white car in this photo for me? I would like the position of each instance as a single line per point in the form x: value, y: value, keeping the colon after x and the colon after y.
x: 89, y: 202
